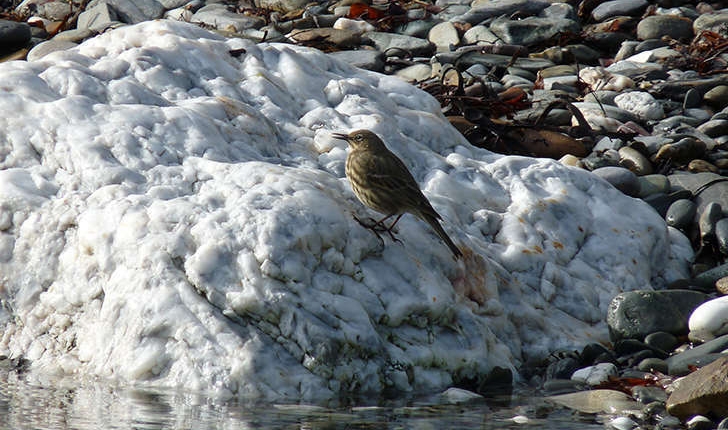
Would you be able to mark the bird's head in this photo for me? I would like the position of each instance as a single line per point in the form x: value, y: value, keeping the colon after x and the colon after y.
x: 360, y: 139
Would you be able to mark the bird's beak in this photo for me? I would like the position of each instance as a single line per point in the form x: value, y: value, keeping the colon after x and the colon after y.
x: 340, y: 136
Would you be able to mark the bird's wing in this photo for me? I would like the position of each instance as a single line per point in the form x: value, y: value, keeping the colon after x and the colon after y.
x: 390, y: 173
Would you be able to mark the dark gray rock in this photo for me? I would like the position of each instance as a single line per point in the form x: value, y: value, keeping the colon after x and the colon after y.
x: 621, y: 178
x: 13, y: 35
x: 661, y: 340
x: 645, y: 394
x: 679, y: 363
x: 531, y: 30
x: 478, y: 14
x: 706, y: 280
x: 681, y: 213
x: 653, y: 364
x: 656, y: 26
x: 717, y: 97
x: 714, y: 128
x: 709, y: 216
x: 635, y: 314
x: 609, y: 9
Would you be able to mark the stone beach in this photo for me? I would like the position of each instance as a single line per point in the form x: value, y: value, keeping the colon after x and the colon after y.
x: 634, y: 91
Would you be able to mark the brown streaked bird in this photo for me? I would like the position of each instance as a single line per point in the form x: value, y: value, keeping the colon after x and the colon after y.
x: 382, y: 182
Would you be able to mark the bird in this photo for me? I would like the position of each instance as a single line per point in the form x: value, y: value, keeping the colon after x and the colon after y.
x: 381, y: 181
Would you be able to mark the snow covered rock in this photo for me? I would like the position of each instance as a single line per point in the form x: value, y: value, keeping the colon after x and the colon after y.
x: 174, y: 212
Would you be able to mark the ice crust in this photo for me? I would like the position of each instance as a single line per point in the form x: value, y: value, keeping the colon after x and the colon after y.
x: 175, y: 215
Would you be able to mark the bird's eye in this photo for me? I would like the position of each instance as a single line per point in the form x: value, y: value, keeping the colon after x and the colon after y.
x: 359, y: 137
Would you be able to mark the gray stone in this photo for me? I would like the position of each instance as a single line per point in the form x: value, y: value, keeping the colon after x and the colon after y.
x: 602, y: 96
x: 707, y: 279
x: 96, y: 18
x: 415, y: 72
x: 609, y: 9
x: 681, y: 213
x: 480, y: 12
x: 622, y: 179
x: 559, y: 10
x: 496, y: 60
x: 414, y: 45
x: 44, y: 48
x: 661, y: 340
x: 479, y: 34
x: 721, y: 235
x: 330, y: 36
x: 646, y: 394
x: 703, y: 392
x: 218, y: 16
x: 133, y: 11
x: 679, y: 363
x: 657, y: 26
x: 283, y: 6
x: 364, y: 59
x: 635, y: 314
x: 634, y: 161
x: 717, y: 97
x: 714, y: 22
x: 444, y: 35
x: 653, y: 364
x: 709, y: 215
x: 54, y: 10
x: 714, y: 128
x: 531, y: 30
x: 13, y: 35
x: 619, y: 114
x: 653, y: 184
x: 418, y: 28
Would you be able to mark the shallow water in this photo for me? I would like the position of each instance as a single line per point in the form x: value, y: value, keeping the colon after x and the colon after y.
x: 35, y: 405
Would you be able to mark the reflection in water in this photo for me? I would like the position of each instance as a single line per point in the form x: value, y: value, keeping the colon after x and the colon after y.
x: 51, y: 404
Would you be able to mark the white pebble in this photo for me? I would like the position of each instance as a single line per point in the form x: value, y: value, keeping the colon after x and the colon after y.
x: 641, y: 104
x: 710, y: 319
x: 595, y: 375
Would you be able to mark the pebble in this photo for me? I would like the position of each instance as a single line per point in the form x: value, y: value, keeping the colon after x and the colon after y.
x: 657, y: 26
x: 621, y: 178
x: 709, y: 320
x: 635, y: 161
x: 612, y: 8
x: 13, y: 35
x: 666, y: 310
x: 640, y: 103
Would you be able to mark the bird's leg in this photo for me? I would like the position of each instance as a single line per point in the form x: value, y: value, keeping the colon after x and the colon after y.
x: 389, y: 229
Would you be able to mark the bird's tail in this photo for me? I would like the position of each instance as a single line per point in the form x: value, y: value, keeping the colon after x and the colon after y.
x: 435, y: 224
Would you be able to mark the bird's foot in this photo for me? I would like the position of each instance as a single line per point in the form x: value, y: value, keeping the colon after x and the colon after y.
x: 377, y: 227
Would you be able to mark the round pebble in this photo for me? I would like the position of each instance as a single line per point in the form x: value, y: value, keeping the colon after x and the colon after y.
x: 681, y: 213
x: 710, y: 319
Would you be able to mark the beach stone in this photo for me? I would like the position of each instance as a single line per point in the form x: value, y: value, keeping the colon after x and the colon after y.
x: 717, y: 97
x: 682, y: 151
x: 653, y: 184
x: 657, y: 26
x: 721, y: 285
x: 704, y: 392
x: 709, y: 215
x: 13, y: 35
x: 531, y: 30
x: 714, y: 128
x: 562, y: 368
x: 596, y: 401
x: 711, y: 22
x: 661, y: 340
x: 641, y: 104
x: 621, y: 178
x: 218, y: 16
x: 76, y: 35
x: 133, y: 11
x: 698, y: 166
x: 679, y: 364
x: 54, y: 10
x: 96, y: 18
x: 646, y: 394
x: 44, y: 48
x: 612, y: 8
x: 339, y: 38
x: 635, y: 314
x: 653, y: 364
x: 479, y: 34
x: 368, y: 59
x: 707, y: 279
x: 709, y: 320
x: 635, y: 161
x: 602, y: 96
x: 595, y: 375
x: 283, y: 6
x: 415, y: 72
x: 681, y: 213
x: 415, y: 45
x: 357, y: 26
x: 481, y: 10
x: 559, y: 10
x: 444, y: 35
x: 614, y: 112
